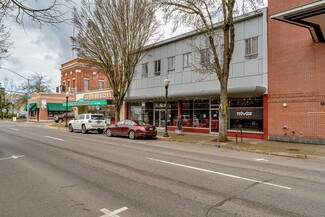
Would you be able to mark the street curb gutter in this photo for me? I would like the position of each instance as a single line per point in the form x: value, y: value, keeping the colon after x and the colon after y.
x: 281, y: 154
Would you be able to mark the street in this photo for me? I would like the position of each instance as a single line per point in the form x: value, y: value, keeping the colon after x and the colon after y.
x: 51, y: 172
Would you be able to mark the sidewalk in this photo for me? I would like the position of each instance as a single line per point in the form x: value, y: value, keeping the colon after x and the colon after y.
x: 287, y: 149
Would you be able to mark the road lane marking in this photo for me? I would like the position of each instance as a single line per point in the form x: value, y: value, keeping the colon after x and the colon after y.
x: 112, y: 214
x: 14, y: 129
x: 219, y: 173
x: 12, y: 157
x: 260, y: 159
x: 50, y: 137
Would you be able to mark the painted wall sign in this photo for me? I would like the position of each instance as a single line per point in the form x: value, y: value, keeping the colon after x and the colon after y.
x: 102, y: 95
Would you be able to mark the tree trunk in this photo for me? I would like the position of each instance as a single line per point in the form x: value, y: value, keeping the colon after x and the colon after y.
x: 223, y: 111
x: 117, y: 112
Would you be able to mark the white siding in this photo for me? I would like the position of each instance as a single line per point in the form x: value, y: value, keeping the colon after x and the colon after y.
x: 244, y: 72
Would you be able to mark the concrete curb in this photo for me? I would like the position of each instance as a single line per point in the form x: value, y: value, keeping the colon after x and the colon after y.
x: 281, y: 154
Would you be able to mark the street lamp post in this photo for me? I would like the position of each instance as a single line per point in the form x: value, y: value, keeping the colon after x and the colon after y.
x: 166, y: 83
x: 66, y: 109
x: 2, y: 91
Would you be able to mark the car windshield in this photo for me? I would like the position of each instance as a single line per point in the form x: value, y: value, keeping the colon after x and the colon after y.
x: 142, y: 123
x: 97, y: 117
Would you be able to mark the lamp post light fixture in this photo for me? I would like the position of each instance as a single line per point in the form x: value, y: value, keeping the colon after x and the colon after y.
x: 66, y: 109
x: 166, y: 83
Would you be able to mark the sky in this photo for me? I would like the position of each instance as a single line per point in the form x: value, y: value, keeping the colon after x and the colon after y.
x: 43, y: 50
x: 40, y: 50
x: 36, y: 49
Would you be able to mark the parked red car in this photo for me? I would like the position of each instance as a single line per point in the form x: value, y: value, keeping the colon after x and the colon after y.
x: 132, y: 129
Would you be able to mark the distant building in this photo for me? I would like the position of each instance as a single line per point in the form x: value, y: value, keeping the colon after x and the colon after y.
x: 296, y: 41
x: 44, y: 106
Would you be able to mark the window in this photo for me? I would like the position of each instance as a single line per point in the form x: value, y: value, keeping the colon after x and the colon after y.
x: 145, y: 70
x: 68, y: 84
x: 101, y: 85
x: 251, y: 47
x: 205, y: 56
x: 171, y: 63
x: 186, y: 60
x: 73, y: 83
x: 157, y: 67
x: 86, y: 84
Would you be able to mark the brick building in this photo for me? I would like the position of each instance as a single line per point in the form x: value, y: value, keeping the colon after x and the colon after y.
x: 296, y: 71
x: 89, y: 86
x: 78, y: 76
x: 44, y: 106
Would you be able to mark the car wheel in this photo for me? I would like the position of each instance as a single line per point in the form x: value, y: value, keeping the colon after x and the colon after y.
x: 100, y: 131
x: 70, y: 128
x: 108, y: 132
x: 83, y: 129
x: 131, y: 134
x: 60, y: 121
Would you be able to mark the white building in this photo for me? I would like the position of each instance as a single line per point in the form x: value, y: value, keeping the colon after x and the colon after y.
x: 195, y: 95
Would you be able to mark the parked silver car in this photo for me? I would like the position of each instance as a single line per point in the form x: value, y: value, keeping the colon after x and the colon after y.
x: 88, y: 122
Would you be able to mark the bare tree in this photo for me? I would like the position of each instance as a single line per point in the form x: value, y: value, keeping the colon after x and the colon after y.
x: 11, y: 98
x: 112, y: 35
x: 51, y: 13
x: 202, y: 15
x: 38, y: 84
x: 4, y: 38
x: 41, y: 13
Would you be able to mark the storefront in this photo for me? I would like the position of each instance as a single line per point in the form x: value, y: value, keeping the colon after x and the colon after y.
x: 99, y: 102
x: 202, y: 116
x: 44, y: 106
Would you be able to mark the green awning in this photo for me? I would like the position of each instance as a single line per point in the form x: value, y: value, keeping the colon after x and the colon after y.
x: 32, y: 106
x: 89, y: 103
x: 57, y: 107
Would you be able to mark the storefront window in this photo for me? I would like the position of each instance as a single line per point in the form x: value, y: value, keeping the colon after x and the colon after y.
x: 108, y: 111
x: 136, y: 111
x: 141, y: 111
x: 246, y: 114
x: 201, y: 116
x: 187, y: 113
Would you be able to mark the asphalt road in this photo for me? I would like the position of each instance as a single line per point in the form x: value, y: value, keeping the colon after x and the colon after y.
x: 51, y: 172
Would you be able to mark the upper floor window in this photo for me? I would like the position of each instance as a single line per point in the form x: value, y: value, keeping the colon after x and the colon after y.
x: 251, y: 47
x: 68, y: 83
x: 73, y: 83
x: 157, y: 67
x: 205, y: 56
x: 171, y: 63
x: 101, y: 85
x: 145, y: 70
x: 86, y: 84
x: 186, y: 60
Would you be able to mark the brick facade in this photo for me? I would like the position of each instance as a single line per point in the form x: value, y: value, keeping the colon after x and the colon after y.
x: 296, y: 80
x: 78, y: 70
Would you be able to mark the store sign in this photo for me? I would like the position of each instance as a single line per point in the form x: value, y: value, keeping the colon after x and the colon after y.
x: 44, y: 103
x: 101, y: 95
x: 89, y: 103
x: 246, y: 113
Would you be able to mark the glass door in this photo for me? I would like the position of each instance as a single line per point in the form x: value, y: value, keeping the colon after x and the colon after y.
x: 214, y: 120
x: 160, y: 118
